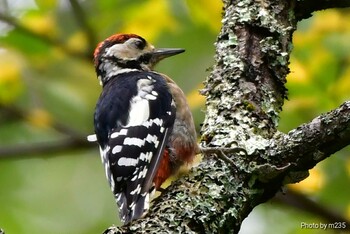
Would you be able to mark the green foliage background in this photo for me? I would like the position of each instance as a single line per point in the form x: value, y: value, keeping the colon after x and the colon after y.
x: 48, y: 91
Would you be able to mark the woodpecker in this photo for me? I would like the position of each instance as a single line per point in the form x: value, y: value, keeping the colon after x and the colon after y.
x: 143, y: 124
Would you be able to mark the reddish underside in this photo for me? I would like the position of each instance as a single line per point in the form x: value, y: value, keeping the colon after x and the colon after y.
x: 164, y: 170
x: 185, y: 155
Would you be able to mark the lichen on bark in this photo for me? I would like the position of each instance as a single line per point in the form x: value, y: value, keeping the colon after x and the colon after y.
x: 245, y: 93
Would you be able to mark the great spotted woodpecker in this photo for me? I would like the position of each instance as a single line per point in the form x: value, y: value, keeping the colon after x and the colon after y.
x: 143, y: 123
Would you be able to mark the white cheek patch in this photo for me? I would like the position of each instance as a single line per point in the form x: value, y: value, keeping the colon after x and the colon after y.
x: 115, y: 50
x: 122, y: 51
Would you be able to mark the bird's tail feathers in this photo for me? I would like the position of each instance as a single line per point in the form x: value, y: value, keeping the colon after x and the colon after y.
x: 135, y: 209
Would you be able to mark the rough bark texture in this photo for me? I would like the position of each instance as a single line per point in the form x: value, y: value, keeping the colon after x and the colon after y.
x: 245, y: 93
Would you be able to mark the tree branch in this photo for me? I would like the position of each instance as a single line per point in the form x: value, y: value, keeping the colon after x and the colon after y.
x: 41, y: 148
x: 83, y: 22
x: 212, y: 188
x: 245, y: 93
x: 299, y: 201
x: 73, y: 138
x: 42, y: 37
x: 305, y: 8
x: 311, y: 143
x: 14, y: 112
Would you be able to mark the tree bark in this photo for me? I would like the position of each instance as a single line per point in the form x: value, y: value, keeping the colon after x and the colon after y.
x: 245, y: 93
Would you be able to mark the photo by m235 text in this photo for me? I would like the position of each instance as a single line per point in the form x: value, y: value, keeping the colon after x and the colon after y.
x: 324, y: 226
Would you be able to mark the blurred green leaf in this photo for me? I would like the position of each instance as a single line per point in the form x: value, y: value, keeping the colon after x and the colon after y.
x: 46, y: 4
x: 25, y: 44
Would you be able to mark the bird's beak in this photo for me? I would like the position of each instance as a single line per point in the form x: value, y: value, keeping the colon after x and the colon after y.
x: 159, y: 54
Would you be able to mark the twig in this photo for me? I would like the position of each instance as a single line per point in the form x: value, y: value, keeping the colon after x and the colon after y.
x: 81, y: 19
x: 17, y: 113
x: 73, y: 140
x: 298, y: 200
x: 221, y: 153
x: 304, y: 9
x: 36, y: 149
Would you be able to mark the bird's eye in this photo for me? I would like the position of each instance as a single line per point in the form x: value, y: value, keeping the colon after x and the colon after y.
x: 139, y: 44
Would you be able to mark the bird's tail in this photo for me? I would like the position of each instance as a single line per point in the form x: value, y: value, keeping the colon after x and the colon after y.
x: 131, y: 210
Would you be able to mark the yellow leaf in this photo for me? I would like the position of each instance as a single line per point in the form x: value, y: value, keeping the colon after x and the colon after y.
x: 78, y: 42
x: 298, y: 72
x: 333, y: 22
x: 40, y: 23
x: 300, y: 102
x: 10, y: 81
x: 149, y: 22
x: 319, y: 28
x: 207, y: 12
x: 39, y: 118
x: 194, y: 99
x: 322, y: 57
x: 312, y: 184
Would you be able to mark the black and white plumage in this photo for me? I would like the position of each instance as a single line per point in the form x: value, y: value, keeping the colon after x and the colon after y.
x: 134, y: 119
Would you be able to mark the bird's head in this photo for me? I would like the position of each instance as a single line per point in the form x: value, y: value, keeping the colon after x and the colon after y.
x: 126, y: 52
